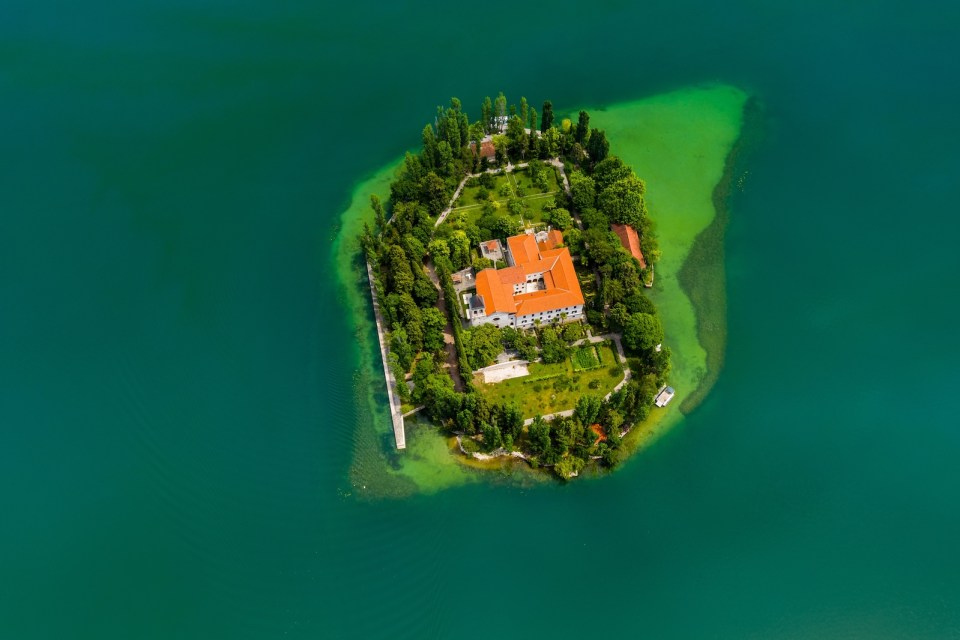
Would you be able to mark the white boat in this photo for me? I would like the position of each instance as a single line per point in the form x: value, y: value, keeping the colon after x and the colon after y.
x: 664, y: 396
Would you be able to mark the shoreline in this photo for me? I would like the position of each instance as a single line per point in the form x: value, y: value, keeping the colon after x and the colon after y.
x: 432, y: 460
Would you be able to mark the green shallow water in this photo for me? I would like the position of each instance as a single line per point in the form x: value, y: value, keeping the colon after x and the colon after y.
x: 185, y: 397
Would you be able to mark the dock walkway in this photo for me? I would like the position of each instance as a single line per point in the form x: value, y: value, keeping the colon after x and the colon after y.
x: 396, y: 413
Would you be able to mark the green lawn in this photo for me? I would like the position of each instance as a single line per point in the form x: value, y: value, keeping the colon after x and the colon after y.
x: 536, y: 204
x: 469, y: 195
x: 585, y: 358
x: 521, y: 178
x: 532, y: 214
x: 470, y: 216
x: 554, y: 387
x: 534, y: 197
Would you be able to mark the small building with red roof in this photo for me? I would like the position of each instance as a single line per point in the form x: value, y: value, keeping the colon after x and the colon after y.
x: 487, y: 149
x: 630, y: 241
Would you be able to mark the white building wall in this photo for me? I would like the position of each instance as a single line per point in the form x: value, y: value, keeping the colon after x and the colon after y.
x: 496, y: 319
x: 573, y: 313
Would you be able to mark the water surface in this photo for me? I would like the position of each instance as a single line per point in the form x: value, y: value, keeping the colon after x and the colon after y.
x: 177, y: 387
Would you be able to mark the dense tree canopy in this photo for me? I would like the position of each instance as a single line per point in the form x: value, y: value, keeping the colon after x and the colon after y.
x: 604, y: 190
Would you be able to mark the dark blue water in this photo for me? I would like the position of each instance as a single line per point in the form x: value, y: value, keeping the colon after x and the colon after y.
x: 177, y: 415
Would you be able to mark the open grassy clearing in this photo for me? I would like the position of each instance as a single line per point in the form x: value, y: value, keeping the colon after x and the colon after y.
x: 471, y: 195
x: 586, y: 358
x: 532, y: 213
x: 516, y: 182
x: 555, y: 387
x: 522, y: 179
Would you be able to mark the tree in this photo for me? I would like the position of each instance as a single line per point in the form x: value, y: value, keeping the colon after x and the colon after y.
x: 582, y: 190
x: 433, y: 193
x: 524, y: 109
x: 399, y: 374
x: 439, y: 248
x: 502, y: 146
x: 444, y: 162
x: 491, y: 437
x: 572, y: 332
x: 559, y: 218
x: 622, y: 202
x: 643, y: 332
x: 511, y: 420
x: 486, y: 115
x: 424, y: 368
x: 433, y: 324
x: 550, y: 143
x: 547, y: 116
x: 619, y: 317
x: 598, y: 147
x: 462, y: 121
x: 479, y: 264
x: 533, y: 125
x: 482, y: 345
x: 414, y: 248
x: 538, y: 437
x: 369, y: 243
x: 587, y: 409
x: 401, y: 348
x: 610, y: 170
x: 379, y: 216
x: 459, y: 249
x: 516, y: 137
x: 614, y: 422
x: 583, y: 127
x: 429, y: 146
x: 526, y: 346
x: 401, y: 276
x: 639, y: 303
x: 552, y: 348
x: 424, y: 292
x: 504, y: 226
x: 568, y: 467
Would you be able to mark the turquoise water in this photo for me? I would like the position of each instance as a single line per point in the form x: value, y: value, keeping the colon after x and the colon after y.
x: 177, y: 414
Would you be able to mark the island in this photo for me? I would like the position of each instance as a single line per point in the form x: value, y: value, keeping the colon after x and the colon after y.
x: 508, y: 273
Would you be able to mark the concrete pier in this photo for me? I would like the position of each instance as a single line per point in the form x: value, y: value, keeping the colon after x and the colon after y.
x: 396, y: 413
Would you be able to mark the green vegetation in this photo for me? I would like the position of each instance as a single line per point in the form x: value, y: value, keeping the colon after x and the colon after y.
x: 401, y: 252
x: 555, y: 387
x: 586, y: 358
x: 677, y: 142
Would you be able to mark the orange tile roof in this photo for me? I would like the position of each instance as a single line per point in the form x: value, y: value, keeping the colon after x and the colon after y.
x: 523, y: 248
x: 597, y: 429
x: 487, y: 148
x: 554, y: 240
x: 512, y: 275
x: 561, y: 287
x: 630, y: 241
x: 497, y: 298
